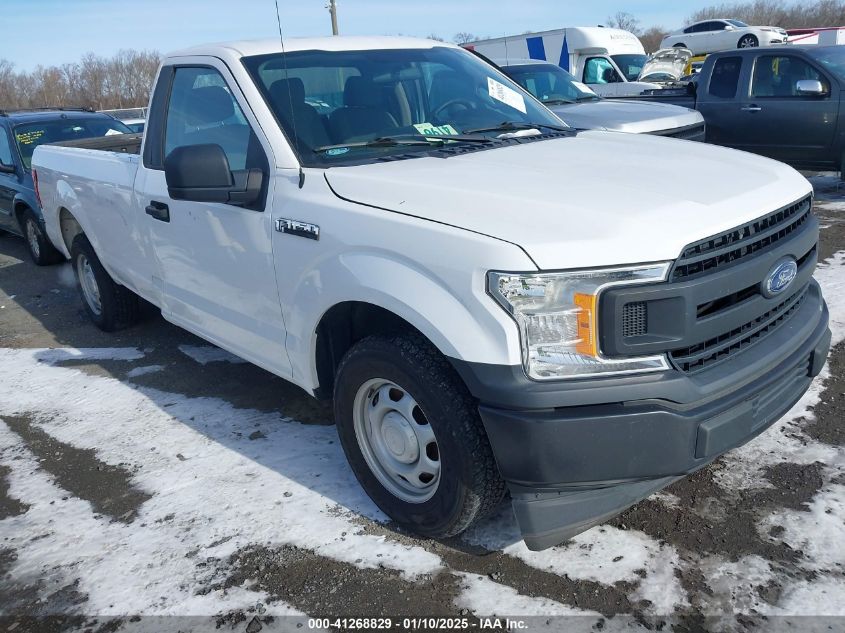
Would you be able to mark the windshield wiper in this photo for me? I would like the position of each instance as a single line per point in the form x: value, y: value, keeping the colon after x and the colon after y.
x: 515, y: 126
x: 588, y: 98
x: 407, y: 139
x: 557, y: 101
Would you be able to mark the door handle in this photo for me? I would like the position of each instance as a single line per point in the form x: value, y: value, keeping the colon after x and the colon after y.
x: 751, y: 108
x: 159, y: 211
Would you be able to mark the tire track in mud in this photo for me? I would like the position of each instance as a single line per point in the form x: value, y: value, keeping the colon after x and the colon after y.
x: 109, y: 489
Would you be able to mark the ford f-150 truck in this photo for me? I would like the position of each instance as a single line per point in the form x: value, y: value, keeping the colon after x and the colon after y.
x: 439, y: 254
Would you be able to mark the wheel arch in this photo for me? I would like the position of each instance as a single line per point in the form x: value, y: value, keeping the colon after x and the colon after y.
x: 69, y: 227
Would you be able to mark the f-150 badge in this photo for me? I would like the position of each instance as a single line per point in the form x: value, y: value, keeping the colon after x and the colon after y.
x: 295, y: 227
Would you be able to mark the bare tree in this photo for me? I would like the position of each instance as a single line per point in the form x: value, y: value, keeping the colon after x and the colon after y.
x: 464, y: 38
x: 123, y: 80
x: 652, y: 37
x: 625, y: 21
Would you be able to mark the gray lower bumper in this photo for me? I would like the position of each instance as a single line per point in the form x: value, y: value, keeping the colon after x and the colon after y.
x: 569, y: 468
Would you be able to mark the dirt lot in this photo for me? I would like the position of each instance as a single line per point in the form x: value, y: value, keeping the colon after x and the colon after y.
x: 146, y: 477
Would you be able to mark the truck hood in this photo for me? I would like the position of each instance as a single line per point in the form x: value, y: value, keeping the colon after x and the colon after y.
x: 639, y: 117
x: 595, y: 199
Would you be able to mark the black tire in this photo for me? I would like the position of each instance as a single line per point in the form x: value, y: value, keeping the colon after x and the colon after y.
x: 470, y: 486
x: 748, y: 41
x: 118, y: 306
x: 41, y: 250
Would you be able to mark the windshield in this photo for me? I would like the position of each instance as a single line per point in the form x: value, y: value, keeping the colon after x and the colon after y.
x: 737, y: 23
x: 630, y: 65
x: 340, y: 100
x: 550, y: 84
x: 30, y: 135
x: 831, y: 58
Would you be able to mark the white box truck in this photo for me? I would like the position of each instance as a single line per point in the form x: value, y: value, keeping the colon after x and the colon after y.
x: 608, y: 60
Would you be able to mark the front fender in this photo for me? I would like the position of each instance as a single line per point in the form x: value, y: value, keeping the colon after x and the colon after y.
x: 468, y: 326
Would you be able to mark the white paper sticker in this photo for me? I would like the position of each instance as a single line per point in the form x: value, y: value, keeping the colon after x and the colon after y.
x: 508, y: 96
x: 583, y: 88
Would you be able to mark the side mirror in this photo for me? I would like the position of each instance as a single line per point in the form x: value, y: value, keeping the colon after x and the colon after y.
x: 810, y: 88
x: 730, y: 27
x: 201, y: 173
x: 7, y: 169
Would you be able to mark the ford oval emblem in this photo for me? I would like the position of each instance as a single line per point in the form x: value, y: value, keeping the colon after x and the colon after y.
x: 780, y: 277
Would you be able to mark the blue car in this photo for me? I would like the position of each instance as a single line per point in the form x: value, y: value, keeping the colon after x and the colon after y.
x: 20, y: 133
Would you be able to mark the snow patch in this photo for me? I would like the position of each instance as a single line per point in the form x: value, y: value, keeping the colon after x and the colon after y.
x: 604, y: 554
x: 143, y: 371
x: 208, y: 483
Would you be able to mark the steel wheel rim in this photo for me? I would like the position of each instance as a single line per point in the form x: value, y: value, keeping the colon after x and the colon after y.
x: 88, y: 282
x: 396, y: 440
x: 32, y: 238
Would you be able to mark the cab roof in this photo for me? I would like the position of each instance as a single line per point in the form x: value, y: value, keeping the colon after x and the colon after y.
x: 248, y: 48
x: 35, y: 115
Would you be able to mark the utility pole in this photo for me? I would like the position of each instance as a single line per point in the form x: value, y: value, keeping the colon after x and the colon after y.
x: 332, y: 7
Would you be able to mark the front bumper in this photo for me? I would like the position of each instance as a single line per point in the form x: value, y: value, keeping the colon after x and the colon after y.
x: 598, y: 446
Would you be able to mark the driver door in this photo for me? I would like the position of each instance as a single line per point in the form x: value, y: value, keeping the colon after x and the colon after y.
x: 215, y: 260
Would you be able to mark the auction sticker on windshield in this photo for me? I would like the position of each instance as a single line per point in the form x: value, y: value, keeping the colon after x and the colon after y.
x: 508, y: 96
x: 429, y: 129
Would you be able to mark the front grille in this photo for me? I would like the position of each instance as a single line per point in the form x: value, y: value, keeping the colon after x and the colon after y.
x: 705, y: 355
x: 731, y: 247
x: 635, y: 319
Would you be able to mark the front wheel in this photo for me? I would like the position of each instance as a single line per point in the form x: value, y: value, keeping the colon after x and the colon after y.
x: 109, y: 305
x: 748, y: 41
x: 41, y: 250
x: 413, y: 436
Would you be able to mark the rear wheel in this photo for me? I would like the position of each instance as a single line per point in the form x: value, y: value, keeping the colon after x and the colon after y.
x: 413, y: 436
x: 109, y: 305
x: 679, y: 46
x: 42, y: 252
x: 748, y: 41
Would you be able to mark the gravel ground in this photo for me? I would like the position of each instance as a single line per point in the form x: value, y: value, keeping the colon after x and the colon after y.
x: 146, y: 477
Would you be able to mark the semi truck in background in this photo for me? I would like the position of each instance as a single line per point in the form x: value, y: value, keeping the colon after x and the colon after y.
x: 608, y: 60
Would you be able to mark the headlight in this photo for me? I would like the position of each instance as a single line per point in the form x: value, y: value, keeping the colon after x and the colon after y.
x: 557, y: 315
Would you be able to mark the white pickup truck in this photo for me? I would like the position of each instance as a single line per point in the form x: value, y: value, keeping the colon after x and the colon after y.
x: 495, y: 302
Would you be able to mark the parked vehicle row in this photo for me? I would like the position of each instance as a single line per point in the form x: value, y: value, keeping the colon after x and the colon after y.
x: 494, y: 301
x: 20, y: 133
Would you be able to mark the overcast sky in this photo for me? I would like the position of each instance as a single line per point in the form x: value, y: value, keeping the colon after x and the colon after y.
x: 51, y: 32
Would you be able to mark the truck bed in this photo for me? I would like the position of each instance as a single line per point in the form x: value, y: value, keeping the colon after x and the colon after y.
x: 124, y: 143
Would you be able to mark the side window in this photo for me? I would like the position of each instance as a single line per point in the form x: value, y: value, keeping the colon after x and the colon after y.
x: 599, y: 70
x: 5, y: 148
x: 777, y: 76
x: 716, y: 26
x: 689, y: 29
x: 725, y: 79
x: 203, y: 110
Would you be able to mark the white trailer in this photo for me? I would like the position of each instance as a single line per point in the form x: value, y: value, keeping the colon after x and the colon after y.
x: 608, y: 60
